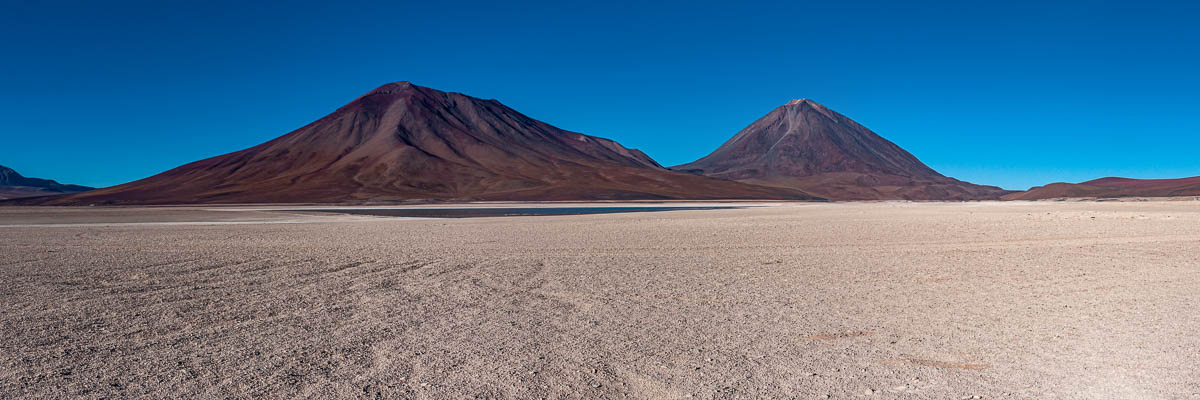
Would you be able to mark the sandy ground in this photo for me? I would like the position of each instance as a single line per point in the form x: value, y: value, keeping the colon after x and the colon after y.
x: 1069, y: 300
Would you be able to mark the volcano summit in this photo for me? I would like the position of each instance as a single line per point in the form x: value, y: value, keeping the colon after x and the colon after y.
x: 804, y: 145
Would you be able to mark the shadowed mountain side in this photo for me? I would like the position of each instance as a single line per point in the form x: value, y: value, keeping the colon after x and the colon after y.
x: 14, y: 185
x: 806, y: 146
x: 1113, y: 187
x: 407, y: 142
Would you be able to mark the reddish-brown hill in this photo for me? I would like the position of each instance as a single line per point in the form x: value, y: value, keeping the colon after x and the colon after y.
x: 804, y: 145
x: 1113, y: 187
x: 403, y: 142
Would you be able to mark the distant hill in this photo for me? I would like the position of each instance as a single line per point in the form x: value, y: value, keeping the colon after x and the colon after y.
x: 14, y: 185
x: 806, y: 146
x: 1113, y: 187
x: 404, y: 142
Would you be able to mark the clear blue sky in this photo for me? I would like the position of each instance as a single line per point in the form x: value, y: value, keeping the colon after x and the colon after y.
x: 1005, y: 93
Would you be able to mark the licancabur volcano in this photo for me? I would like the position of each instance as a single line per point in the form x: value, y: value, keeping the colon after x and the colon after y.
x: 806, y: 146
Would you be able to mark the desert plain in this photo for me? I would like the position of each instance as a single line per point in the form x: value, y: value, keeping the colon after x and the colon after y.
x: 1067, y: 300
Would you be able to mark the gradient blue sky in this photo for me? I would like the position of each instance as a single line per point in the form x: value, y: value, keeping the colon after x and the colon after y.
x: 1005, y: 93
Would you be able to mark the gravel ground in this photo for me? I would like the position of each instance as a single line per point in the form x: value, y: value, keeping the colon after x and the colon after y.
x: 1069, y: 300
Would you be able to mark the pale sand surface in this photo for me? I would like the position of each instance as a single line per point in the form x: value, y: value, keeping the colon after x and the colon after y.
x: 1071, y: 300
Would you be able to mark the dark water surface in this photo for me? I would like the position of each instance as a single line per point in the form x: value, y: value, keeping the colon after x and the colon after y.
x: 498, y: 212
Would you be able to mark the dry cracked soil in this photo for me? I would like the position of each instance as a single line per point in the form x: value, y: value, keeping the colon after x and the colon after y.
x: 1068, y: 300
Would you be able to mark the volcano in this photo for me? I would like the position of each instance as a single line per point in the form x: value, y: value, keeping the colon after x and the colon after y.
x: 14, y: 185
x: 406, y: 142
x: 1114, y: 187
x: 806, y: 146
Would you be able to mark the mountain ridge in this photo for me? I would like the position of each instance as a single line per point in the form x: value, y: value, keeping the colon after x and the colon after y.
x: 403, y: 142
x: 1111, y: 187
x: 15, y: 185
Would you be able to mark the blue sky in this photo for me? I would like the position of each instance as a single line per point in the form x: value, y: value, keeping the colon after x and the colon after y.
x: 1005, y: 93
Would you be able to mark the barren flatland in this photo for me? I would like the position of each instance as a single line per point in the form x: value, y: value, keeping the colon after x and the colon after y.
x: 1072, y: 300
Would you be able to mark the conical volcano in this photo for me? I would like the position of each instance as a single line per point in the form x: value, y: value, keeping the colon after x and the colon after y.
x: 804, y: 145
x: 405, y: 142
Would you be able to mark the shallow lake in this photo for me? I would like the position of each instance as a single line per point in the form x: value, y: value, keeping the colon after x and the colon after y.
x: 498, y: 212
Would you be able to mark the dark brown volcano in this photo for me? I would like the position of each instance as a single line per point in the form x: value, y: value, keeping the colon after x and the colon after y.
x: 403, y: 141
x: 804, y: 145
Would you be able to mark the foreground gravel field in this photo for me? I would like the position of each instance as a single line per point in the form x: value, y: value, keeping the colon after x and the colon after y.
x: 1070, y: 300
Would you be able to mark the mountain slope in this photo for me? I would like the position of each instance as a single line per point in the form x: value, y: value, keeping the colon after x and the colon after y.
x: 403, y: 142
x: 804, y: 145
x: 1113, y: 187
x: 14, y: 185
